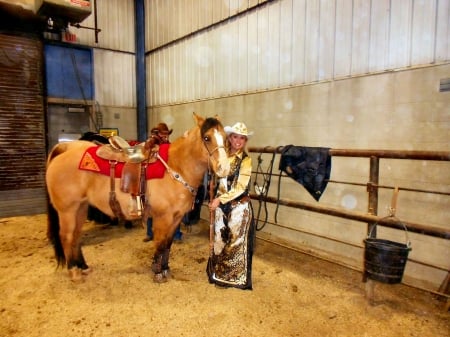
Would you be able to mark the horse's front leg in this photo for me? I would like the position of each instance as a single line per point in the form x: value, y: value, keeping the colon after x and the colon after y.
x: 160, y: 265
x: 163, y: 230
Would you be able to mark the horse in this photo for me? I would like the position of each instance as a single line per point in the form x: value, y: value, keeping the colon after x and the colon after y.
x: 167, y: 199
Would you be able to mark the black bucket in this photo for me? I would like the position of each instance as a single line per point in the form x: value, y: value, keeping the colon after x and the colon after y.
x: 385, y: 260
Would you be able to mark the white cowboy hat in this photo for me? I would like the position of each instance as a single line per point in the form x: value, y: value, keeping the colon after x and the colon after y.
x: 238, y: 128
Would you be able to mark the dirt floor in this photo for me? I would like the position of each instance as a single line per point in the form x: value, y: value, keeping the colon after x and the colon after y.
x: 293, y: 295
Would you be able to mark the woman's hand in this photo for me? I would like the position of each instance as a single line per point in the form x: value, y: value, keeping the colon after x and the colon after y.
x: 214, y: 204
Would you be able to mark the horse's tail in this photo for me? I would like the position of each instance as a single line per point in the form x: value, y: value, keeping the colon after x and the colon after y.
x: 56, y: 151
x: 53, y: 234
x: 52, y: 214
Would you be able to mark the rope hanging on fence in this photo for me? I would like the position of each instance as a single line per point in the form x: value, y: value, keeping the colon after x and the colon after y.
x: 263, y: 190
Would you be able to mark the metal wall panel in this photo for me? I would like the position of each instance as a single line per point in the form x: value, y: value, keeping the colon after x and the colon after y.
x: 400, y: 33
x: 442, y: 48
x: 423, y: 31
x: 114, y: 78
x: 360, y: 37
x: 298, y: 47
x: 342, y: 47
x: 289, y: 42
x: 116, y: 20
x: 169, y: 20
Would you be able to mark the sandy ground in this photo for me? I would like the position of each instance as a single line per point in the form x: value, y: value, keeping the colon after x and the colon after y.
x: 293, y: 295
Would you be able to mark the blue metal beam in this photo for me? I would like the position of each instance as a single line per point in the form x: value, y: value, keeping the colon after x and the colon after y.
x: 141, y: 88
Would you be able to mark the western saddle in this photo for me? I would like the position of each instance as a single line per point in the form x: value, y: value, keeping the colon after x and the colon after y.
x: 133, y: 179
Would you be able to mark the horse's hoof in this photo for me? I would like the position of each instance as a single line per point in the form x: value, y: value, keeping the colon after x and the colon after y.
x: 86, y: 271
x: 76, y: 275
x: 166, y: 273
x: 160, y: 278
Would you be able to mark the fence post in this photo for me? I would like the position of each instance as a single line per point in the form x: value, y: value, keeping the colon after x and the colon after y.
x: 372, y: 189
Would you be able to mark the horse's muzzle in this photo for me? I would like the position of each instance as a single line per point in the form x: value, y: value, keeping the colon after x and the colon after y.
x: 223, y: 165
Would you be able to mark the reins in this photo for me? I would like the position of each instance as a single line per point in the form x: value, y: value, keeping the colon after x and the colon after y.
x: 263, y: 190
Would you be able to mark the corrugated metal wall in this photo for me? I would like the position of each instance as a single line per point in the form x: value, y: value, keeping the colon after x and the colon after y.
x: 22, y: 126
x: 114, y: 59
x: 116, y: 21
x: 169, y: 20
x: 285, y: 43
x: 114, y: 78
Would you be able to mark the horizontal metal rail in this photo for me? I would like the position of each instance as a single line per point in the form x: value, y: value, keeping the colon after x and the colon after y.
x: 392, y: 154
x: 391, y: 222
x: 372, y: 187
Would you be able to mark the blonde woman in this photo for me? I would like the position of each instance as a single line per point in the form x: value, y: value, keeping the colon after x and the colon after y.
x: 230, y: 263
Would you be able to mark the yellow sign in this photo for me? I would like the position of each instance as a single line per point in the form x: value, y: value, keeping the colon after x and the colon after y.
x: 109, y: 132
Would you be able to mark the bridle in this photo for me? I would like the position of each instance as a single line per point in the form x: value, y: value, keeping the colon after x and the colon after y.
x: 178, y: 177
x: 210, y: 153
x: 217, y: 148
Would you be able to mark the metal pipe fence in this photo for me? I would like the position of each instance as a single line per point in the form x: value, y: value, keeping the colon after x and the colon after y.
x: 371, y: 218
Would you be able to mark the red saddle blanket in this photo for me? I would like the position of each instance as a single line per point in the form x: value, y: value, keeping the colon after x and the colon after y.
x: 91, y: 162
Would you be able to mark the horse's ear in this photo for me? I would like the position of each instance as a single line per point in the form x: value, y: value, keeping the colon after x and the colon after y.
x: 198, y: 119
x: 218, y: 118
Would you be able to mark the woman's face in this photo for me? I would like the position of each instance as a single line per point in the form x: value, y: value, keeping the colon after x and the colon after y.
x: 237, y: 142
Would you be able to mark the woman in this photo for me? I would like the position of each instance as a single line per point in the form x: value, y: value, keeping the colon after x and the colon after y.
x: 230, y: 263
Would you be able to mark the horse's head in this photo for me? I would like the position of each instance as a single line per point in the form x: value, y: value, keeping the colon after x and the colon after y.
x: 213, y: 137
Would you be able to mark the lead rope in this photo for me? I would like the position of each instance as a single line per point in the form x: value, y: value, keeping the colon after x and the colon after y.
x: 211, y: 213
x: 263, y: 190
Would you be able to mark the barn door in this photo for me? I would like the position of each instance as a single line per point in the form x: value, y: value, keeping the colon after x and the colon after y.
x: 22, y: 126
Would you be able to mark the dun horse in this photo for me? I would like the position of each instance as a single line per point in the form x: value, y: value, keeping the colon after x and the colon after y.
x: 167, y: 199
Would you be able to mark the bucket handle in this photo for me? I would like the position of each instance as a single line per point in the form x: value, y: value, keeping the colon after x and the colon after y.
x: 408, y: 243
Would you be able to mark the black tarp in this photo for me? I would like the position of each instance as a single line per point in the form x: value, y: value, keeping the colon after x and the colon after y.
x: 309, y: 166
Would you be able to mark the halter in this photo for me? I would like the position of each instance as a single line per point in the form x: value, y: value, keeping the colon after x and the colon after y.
x: 217, y: 148
x: 210, y: 153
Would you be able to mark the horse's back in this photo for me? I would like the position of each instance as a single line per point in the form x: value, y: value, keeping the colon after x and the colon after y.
x: 63, y: 147
x: 66, y: 155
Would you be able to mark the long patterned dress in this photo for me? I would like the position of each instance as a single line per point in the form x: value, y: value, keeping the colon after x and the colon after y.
x: 231, y: 262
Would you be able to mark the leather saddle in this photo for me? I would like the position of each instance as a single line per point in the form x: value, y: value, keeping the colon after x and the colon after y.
x: 121, y: 151
x: 135, y: 159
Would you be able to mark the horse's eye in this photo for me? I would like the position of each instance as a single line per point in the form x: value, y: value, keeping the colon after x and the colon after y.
x: 206, y: 138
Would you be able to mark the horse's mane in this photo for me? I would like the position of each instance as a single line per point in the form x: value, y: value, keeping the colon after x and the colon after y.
x: 94, y: 137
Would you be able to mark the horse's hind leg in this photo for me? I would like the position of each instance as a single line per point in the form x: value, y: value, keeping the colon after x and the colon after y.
x: 78, y: 257
x: 70, y: 232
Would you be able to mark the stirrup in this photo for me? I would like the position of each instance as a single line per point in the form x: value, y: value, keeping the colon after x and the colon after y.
x: 135, y: 206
